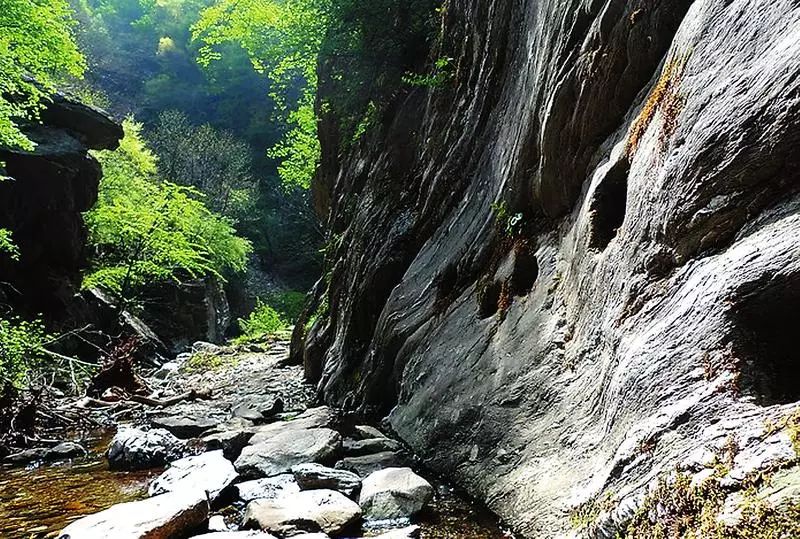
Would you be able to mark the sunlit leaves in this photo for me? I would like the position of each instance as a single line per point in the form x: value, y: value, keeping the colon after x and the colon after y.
x: 36, y: 44
x: 145, y: 230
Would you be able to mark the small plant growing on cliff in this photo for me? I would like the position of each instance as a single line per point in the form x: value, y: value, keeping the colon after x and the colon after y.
x: 510, y: 224
x: 441, y: 74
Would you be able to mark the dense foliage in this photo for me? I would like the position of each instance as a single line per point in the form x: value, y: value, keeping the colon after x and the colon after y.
x: 37, y: 50
x: 145, y: 229
x: 202, y: 119
x: 365, y: 49
x: 21, y: 345
x: 263, y: 322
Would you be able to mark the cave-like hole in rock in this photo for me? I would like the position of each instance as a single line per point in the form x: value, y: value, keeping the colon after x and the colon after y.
x: 489, y: 299
x: 768, y: 320
x: 526, y: 271
x: 446, y: 281
x: 609, y: 205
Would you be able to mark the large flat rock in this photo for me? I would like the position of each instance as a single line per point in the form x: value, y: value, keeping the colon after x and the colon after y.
x: 268, y: 488
x: 313, y: 418
x: 208, y: 473
x: 289, y: 448
x: 325, y: 511
x: 161, y: 517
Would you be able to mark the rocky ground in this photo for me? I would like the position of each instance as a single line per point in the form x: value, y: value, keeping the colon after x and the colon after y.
x: 250, y: 457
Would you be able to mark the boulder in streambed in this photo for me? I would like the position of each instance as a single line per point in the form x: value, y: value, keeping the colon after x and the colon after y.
x: 168, y: 515
x: 394, y: 493
x: 325, y: 511
x: 288, y: 448
x: 315, y: 476
x: 358, y: 448
x: 313, y: 418
x: 208, y: 473
x: 184, y: 426
x: 231, y: 442
x: 136, y: 449
x: 269, y: 488
x: 367, y: 464
x: 365, y: 432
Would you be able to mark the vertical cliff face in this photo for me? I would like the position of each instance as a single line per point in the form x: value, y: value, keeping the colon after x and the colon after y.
x: 636, y: 310
x: 42, y: 201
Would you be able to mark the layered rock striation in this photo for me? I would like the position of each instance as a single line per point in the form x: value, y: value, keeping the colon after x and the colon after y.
x: 575, y: 265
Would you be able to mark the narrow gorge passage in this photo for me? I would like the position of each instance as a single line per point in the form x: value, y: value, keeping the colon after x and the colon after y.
x: 335, y: 269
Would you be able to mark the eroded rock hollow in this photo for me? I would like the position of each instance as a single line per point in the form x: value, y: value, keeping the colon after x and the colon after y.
x: 576, y: 265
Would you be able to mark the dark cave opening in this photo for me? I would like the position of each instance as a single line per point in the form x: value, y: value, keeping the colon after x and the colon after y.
x: 609, y: 206
x: 489, y: 299
x: 526, y: 271
x: 767, y: 320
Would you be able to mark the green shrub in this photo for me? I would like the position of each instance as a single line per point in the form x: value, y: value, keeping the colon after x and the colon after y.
x: 289, y: 304
x: 263, y: 322
x: 20, y: 348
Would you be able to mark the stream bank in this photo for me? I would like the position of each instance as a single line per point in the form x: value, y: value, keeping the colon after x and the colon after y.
x: 261, y: 418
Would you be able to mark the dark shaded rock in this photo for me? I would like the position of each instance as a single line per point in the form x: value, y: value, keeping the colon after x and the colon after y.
x: 231, y: 442
x: 135, y: 449
x: 316, y: 476
x: 42, y: 206
x: 183, y: 426
x: 357, y: 448
x: 367, y: 464
x: 62, y: 451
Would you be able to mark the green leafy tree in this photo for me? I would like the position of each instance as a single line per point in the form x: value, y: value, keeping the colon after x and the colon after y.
x: 146, y: 230
x: 283, y: 40
x: 213, y: 161
x: 37, y: 50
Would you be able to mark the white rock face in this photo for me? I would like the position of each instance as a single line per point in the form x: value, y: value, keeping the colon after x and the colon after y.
x: 310, y: 511
x: 269, y: 488
x: 394, y: 493
x: 168, y: 515
x: 288, y: 448
x: 209, y: 472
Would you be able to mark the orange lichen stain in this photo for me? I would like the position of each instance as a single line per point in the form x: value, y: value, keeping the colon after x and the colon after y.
x: 666, y: 99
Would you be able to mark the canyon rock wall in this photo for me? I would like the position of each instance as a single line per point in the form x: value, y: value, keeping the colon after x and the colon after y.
x: 42, y: 201
x: 576, y: 265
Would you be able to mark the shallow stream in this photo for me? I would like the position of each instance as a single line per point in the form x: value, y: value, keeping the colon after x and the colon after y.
x: 37, y: 502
